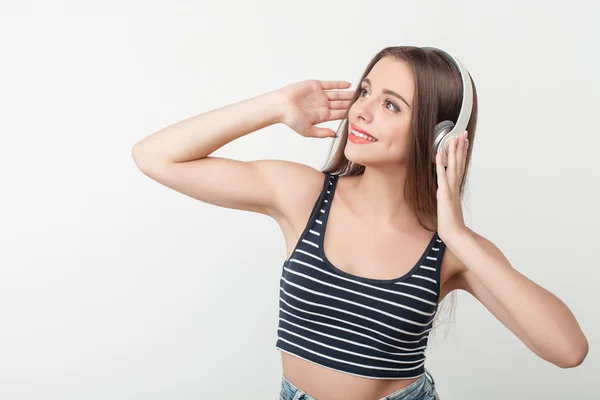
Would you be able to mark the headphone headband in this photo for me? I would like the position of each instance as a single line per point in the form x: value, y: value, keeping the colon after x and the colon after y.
x: 465, y: 110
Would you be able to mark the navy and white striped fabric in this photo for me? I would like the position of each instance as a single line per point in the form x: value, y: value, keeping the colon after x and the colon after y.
x: 367, y: 327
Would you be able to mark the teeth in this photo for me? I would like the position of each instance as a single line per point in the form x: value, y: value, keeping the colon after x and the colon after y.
x: 362, y: 136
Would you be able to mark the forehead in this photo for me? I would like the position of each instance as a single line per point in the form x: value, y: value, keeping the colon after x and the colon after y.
x: 393, y: 74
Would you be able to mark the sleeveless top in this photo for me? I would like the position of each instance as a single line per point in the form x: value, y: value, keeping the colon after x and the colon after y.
x: 373, y: 328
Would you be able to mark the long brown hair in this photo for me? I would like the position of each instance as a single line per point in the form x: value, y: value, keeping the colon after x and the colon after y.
x: 437, y: 97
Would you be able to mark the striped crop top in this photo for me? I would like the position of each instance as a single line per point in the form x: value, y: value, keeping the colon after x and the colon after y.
x: 367, y: 327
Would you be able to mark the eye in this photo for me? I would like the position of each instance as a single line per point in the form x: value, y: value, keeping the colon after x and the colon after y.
x: 395, y: 108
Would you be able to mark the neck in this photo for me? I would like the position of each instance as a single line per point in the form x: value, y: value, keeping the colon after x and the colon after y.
x: 379, y: 197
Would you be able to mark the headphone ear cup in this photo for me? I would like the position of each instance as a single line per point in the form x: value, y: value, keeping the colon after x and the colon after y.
x: 439, y: 133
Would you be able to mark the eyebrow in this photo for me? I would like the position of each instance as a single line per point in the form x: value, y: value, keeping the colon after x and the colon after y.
x: 388, y: 91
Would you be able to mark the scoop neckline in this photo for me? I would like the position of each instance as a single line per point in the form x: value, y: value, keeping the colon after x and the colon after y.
x: 403, y: 277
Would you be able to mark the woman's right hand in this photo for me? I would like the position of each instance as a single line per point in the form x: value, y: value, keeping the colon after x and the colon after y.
x: 311, y: 102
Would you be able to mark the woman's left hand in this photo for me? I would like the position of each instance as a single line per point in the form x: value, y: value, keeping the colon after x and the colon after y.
x: 449, y: 209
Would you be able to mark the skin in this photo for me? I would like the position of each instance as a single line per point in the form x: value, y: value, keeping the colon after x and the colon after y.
x: 371, y: 232
x: 371, y: 206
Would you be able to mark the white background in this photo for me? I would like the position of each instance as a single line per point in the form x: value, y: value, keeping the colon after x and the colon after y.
x: 113, y: 286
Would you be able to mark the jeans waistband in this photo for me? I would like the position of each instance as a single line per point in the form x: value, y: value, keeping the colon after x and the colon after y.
x: 429, y: 376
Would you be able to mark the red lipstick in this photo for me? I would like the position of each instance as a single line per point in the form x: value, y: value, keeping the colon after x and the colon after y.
x: 360, y: 140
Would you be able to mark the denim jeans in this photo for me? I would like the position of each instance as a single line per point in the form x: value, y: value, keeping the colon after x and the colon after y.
x: 421, y: 389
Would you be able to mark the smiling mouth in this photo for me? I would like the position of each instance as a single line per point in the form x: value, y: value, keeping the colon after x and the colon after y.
x: 362, y: 135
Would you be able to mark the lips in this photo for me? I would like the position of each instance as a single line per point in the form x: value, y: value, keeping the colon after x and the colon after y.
x: 357, y: 129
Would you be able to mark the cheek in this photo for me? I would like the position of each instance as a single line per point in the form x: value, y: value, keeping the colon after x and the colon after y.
x: 396, y: 136
x: 396, y: 143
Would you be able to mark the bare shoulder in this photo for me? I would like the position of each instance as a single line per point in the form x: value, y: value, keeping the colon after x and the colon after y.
x: 297, y: 187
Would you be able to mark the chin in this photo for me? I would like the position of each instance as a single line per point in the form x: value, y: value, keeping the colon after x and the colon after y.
x: 359, y: 156
x: 367, y: 158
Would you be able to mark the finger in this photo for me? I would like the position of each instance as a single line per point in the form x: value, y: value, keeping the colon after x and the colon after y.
x: 440, y: 170
x: 451, y: 170
x: 460, y: 150
x: 328, y: 85
x: 315, y: 131
x: 337, y: 114
x: 463, y: 158
x: 340, y: 95
x: 338, y: 104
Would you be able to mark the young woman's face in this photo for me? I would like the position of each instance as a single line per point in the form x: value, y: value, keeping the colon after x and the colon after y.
x: 382, y: 114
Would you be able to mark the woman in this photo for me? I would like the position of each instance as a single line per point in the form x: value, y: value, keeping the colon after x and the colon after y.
x: 357, y: 305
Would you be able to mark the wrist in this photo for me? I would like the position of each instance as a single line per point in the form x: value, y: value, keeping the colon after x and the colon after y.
x: 277, y: 104
x: 463, y: 235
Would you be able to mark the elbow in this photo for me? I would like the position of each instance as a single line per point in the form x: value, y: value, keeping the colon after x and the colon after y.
x: 135, y: 153
x: 575, y: 356
x: 139, y: 158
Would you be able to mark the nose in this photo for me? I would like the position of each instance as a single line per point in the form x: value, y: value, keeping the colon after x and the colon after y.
x: 363, y: 109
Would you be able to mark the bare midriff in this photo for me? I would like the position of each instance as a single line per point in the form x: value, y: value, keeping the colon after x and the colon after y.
x: 324, y: 383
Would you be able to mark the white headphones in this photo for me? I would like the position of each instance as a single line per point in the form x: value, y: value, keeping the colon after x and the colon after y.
x: 446, y: 130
